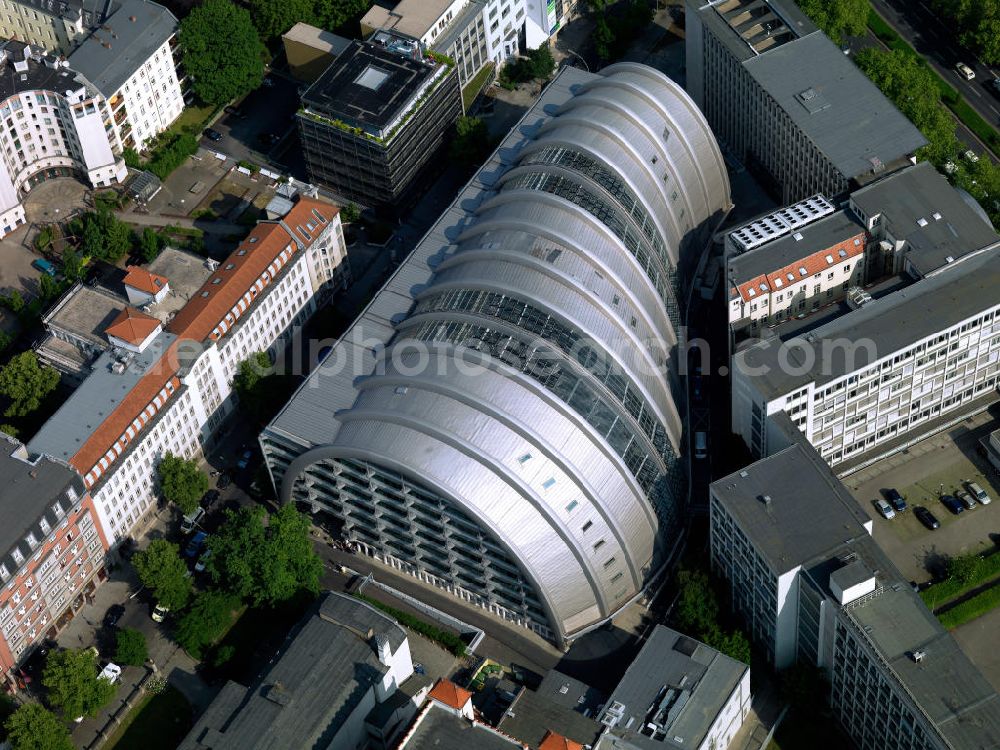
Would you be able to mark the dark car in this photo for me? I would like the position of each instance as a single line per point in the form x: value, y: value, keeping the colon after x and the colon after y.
x: 213, y: 135
x: 235, y: 113
x: 953, y: 504
x: 897, y: 501
x: 926, y: 518
x: 113, y: 615
x: 209, y: 497
x: 195, y: 545
x: 223, y: 482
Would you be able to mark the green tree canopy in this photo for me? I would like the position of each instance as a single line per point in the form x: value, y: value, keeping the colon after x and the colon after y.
x: 150, y: 244
x: 336, y: 14
x: 70, y: 677
x: 838, y: 18
x: 182, y: 481
x: 26, y: 383
x: 264, y: 560
x: 471, y: 143
x: 274, y: 17
x: 161, y: 569
x: 976, y: 24
x: 697, y: 609
x: 130, y: 647
x: 209, y: 616
x: 74, y: 265
x: 33, y: 727
x: 223, y: 54
x: 105, y: 236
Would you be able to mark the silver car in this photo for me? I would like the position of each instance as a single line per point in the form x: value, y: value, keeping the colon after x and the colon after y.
x: 966, y: 499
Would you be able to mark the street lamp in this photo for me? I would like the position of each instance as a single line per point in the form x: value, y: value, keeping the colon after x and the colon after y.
x: 579, y: 57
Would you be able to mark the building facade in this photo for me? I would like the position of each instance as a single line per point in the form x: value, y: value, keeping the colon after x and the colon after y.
x: 55, y: 124
x: 786, y: 101
x: 814, y: 588
x: 376, y: 119
x: 53, y: 551
x: 543, y: 445
x: 170, y: 389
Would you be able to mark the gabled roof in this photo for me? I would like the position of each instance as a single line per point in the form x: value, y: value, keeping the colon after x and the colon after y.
x: 143, y: 280
x: 132, y: 326
x: 447, y: 692
x: 553, y: 741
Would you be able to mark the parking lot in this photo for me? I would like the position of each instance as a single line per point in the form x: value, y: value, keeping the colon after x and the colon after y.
x: 936, y: 465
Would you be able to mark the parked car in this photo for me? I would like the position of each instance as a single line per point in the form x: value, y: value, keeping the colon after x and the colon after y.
x: 267, y: 83
x: 195, y: 544
x: 113, y: 615
x: 191, y: 520
x: 235, y: 112
x: 700, y: 444
x: 159, y: 613
x: 979, y: 493
x: 965, y: 71
x: 884, y: 508
x: 111, y: 672
x: 966, y: 499
x: 971, y: 155
x: 996, y: 84
x: 926, y: 518
x: 46, y: 267
x: 952, y: 503
x: 209, y: 498
x: 202, y: 561
x: 212, y: 134
x: 897, y: 501
x: 244, y: 460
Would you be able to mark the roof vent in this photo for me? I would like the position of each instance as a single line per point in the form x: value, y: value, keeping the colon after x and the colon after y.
x: 950, y: 259
x: 922, y: 222
x: 797, y: 236
x: 132, y: 19
x: 744, y: 474
x: 766, y: 499
x: 918, y: 656
x: 937, y: 216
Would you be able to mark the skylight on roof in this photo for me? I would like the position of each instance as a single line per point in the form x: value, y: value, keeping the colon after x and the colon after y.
x: 372, y: 78
x: 802, y: 271
x: 829, y: 259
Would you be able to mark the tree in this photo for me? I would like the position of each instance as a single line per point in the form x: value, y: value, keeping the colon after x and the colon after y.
x: 203, y: 624
x: 13, y: 301
x: 838, y: 18
x: 350, y: 213
x: 335, y: 14
x: 540, y: 62
x: 697, y: 609
x: 735, y: 645
x: 131, y: 158
x: 161, y: 569
x: 264, y: 560
x: 48, y: 288
x: 104, y: 236
x: 130, y: 647
x: 965, y: 569
x: 33, y: 727
x: 26, y: 383
x: 223, y: 54
x: 274, y: 17
x: 150, y: 244
x: 471, y: 143
x: 603, y: 38
x: 182, y: 481
x: 73, y: 686
x: 74, y: 265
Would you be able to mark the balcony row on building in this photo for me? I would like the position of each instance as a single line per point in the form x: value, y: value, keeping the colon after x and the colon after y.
x: 346, y: 678
x: 814, y: 588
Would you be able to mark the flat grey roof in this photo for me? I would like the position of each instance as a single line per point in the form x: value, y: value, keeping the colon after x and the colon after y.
x: 842, y: 112
x: 325, y: 670
x: 809, y: 513
x: 786, y: 250
x: 28, y: 490
x: 440, y: 729
x: 185, y: 272
x: 951, y: 226
x: 65, y: 432
x: 315, y: 37
x: 557, y: 705
x: 953, y: 294
x: 462, y: 20
x: 129, y: 44
x: 86, y: 312
x: 702, y: 678
x: 947, y: 686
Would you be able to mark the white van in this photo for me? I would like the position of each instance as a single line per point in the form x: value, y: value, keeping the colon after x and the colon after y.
x: 978, y: 493
x: 700, y: 444
x: 191, y: 520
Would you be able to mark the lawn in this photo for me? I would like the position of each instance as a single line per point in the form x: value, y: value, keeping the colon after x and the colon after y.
x: 475, y: 85
x: 194, y: 116
x: 972, y: 608
x: 158, y: 722
x: 942, y: 593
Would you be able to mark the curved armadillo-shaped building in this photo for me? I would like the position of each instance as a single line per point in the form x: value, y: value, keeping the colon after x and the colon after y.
x: 517, y: 440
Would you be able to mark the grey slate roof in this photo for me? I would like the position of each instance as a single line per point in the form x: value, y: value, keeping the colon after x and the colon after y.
x: 325, y: 670
x: 28, y: 491
x: 557, y: 705
x: 920, y: 192
x: 442, y: 730
x: 786, y: 249
x: 130, y: 44
x: 955, y: 293
x: 703, y: 677
x: 42, y: 73
x: 848, y: 119
x: 948, y: 687
x: 809, y: 512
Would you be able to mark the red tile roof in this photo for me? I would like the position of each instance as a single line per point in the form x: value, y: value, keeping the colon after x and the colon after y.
x: 132, y: 326
x: 553, y: 741
x: 143, y: 280
x: 447, y: 692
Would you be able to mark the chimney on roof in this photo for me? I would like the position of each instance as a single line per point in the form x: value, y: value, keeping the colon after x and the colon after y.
x: 383, y: 649
x: 132, y: 19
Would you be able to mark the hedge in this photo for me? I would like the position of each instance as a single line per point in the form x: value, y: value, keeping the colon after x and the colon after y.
x: 167, y: 157
x: 450, y: 641
x: 972, y: 608
x: 941, y: 593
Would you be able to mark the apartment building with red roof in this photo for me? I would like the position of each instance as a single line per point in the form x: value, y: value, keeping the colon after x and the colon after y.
x: 167, y: 387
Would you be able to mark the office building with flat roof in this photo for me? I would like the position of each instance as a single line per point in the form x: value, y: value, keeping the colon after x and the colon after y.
x: 376, y: 118
x: 676, y: 693
x: 787, y: 102
x: 51, y: 552
x: 549, y: 494
x: 814, y: 588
